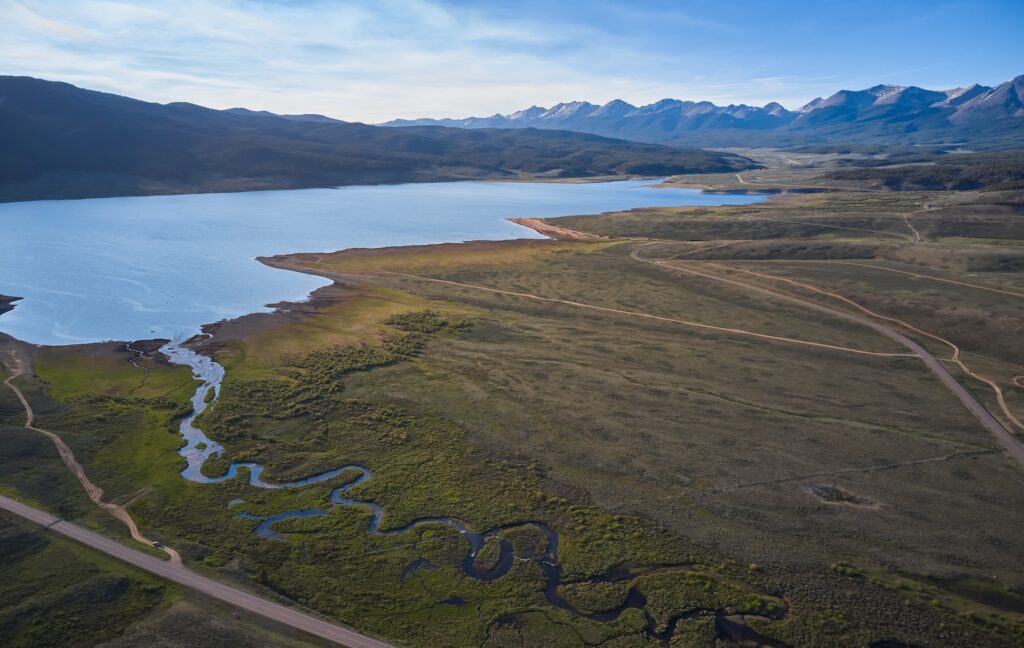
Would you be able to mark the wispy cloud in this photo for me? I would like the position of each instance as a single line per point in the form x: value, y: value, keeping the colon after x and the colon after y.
x: 373, y: 60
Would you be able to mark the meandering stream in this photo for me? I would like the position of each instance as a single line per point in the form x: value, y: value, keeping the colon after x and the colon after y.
x: 162, y: 266
x: 198, y: 448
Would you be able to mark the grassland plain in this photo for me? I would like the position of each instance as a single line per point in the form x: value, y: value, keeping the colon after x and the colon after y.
x: 605, y: 409
x: 866, y: 168
x: 319, y: 574
x: 797, y: 495
x: 957, y: 272
x: 54, y: 592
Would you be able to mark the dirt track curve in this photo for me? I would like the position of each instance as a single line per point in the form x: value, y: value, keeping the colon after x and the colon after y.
x: 881, y: 268
x: 955, y: 358
x: 1014, y: 447
x: 913, y: 230
x: 619, y: 311
x: 94, y: 492
x: 173, y: 569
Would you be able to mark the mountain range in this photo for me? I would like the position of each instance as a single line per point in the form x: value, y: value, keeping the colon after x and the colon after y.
x: 974, y: 115
x: 60, y: 141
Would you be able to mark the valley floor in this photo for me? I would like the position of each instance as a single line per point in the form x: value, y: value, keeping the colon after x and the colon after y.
x: 697, y: 403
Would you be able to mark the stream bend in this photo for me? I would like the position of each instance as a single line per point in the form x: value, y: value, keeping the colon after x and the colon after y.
x: 198, y: 448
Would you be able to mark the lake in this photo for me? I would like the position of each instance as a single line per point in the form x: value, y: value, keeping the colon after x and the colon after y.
x: 162, y: 266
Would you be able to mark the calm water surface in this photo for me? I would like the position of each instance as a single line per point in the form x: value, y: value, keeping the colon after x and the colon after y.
x: 162, y: 266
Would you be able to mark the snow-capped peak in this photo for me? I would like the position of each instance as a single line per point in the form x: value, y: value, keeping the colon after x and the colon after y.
x: 528, y: 113
x: 565, y: 110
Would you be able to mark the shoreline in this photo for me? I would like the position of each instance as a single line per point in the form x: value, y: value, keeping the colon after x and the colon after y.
x: 663, y: 182
x: 299, y: 308
x: 201, y: 191
x: 7, y: 303
x: 555, y: 232
x: 209, y: 338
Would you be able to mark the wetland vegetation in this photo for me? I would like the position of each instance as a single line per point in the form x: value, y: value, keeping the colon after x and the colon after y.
x: 337, y: 367
x: 703, y: 486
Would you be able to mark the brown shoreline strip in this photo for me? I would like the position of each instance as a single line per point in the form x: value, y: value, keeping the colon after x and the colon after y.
x: 555, y: 232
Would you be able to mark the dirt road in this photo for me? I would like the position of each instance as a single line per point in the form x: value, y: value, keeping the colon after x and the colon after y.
x: 172, y: 569
x: 956, y: 351
x: 1014, y: 447
x: 874, y: 266
x: 183, y: 576
x: 906, y: 221
x: 1000, y: 291
x: 1004, y: 436
x: 16, y: 366
x: 619, y: 311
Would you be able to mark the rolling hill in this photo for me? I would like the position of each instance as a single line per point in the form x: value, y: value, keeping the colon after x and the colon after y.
x: 60, y: 141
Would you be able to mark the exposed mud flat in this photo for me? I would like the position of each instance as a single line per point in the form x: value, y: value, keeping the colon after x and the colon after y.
x: 555, y: 232
x: 216, y: 335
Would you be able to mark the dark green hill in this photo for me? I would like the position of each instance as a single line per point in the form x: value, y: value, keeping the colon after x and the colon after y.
x: 995, y: 171
x: 60, y: 141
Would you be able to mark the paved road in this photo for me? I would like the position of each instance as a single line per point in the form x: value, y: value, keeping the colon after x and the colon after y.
x: 183, y: 576
x: 95, y: 493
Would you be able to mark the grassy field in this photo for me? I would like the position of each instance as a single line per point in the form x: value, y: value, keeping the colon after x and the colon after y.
x: 955, y: 270
x: 529, y: 378
x: 55, y: 592
x: 812, y: 489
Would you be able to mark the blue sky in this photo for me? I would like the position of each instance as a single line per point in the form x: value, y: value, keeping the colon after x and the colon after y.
x: 373, y: 60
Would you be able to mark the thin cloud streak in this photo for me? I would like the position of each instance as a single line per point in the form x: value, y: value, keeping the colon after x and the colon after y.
x: 377, y: 60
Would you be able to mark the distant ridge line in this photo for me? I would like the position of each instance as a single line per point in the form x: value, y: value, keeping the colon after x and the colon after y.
x: 881, y: 112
